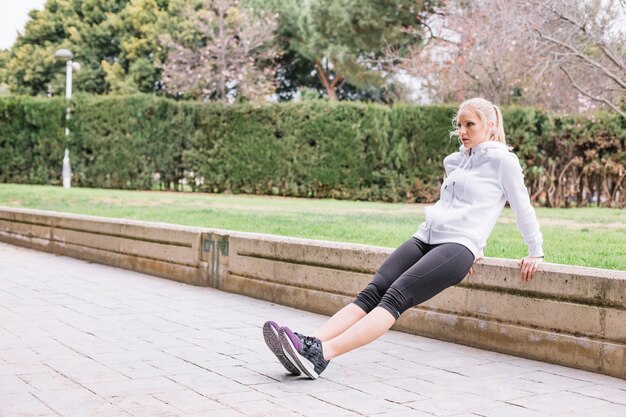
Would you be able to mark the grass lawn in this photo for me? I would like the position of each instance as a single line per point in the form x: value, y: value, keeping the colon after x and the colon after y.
x: 594, y: 237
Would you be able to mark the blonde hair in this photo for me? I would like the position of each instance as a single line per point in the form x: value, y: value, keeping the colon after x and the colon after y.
x: 488, y: 112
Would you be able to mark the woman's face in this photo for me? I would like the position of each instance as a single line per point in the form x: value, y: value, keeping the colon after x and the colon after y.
x: 472, y: 130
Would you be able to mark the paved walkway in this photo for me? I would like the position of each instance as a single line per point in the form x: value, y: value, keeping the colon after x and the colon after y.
x: 81, y: 339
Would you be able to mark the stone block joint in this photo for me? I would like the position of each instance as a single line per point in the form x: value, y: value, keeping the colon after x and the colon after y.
x: 214, y: 247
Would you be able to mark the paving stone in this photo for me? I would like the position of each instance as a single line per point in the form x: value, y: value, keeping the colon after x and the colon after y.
x: 234, y: 372
x: 496, y: 389
x: 491, y: 370
x: 564, y: 382
x: 20, y: 355
x: 611, y: 394
x: 21, y: 368
x: 133, y: 386
x: 406, y: 413
x: 388, y: 392
x: 85, y: 370
x: 428, y: 389
x: 48, y: 381
x: 188, y: 401
x: 560, y: 402
x: 73, y: 344
x: 307, y: 405
x: 121, y: 357
x: 448, y: 405
x: 222, y: 412
x: 12, y: 384
x: 78, y: 403
x: 175, y: 366
x: 511, y: 410
x: 208, y: 383
x: 245, y: 395
x: 144, y: 405
x: 528, y: 385
x: 359, y: 402
x: 137, y: 370
x: 346, y: 374
x: 591, y: 377
x: 57, y: 352
x: 254, y: 379
x: 611, y: 410
x: 466, y: 415
x: 23, y: 405
x: 262, y: 408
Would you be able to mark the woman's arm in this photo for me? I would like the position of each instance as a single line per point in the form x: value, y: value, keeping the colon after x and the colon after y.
x: 512, y: 182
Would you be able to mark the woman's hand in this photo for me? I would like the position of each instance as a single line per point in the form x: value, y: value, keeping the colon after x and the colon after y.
x: 528, y: 266
x: 471, y: 270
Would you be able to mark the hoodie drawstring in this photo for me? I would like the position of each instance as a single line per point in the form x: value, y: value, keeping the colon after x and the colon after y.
x: 463, y: 166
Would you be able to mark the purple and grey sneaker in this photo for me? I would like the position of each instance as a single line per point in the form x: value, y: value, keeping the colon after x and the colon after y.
x: 304, y: 351
x: 272, y: 340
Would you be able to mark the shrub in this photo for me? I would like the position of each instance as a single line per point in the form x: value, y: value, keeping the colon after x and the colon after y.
x: 308, y: 149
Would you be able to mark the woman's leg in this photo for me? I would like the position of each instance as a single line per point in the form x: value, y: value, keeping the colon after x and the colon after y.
x: 398, y: 262
x: 365, y: 331
x: 339, y: 322
x: 440, y: 268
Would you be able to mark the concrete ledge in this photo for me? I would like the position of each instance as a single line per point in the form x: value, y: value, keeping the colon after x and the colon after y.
x: 567, y: 315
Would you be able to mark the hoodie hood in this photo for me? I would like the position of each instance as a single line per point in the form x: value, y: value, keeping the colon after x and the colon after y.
x: 483, y: 147
x: 477, y: 154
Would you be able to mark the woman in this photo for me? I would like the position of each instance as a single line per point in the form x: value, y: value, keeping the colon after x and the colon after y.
x: 480, y: 178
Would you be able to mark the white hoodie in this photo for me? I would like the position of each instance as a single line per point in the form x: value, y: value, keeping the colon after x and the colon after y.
x: 478, y: 183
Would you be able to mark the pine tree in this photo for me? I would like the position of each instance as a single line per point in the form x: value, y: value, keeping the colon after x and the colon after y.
x: 347, y: 40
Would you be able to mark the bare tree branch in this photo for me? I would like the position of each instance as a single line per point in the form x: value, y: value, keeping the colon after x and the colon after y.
x: 425, y: 24
x: 584, y: 57
x: 599, y: 99
x: 518, y: 59
x: 236, y: 60
x: 598, y: 40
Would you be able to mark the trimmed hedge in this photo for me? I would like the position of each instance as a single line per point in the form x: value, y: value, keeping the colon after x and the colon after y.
x: 318, y: 149
x: 31, y: 140
x: 309, y: 149
x: 122, y: 142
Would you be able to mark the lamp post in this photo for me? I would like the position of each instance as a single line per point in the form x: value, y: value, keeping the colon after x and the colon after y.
x: 67, y: 55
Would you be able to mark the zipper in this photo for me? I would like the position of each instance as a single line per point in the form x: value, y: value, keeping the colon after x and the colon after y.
x: 430, y: 229
x: 453, y: 190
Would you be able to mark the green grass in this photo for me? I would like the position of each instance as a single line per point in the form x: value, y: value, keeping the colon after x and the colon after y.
x: 594, y: 237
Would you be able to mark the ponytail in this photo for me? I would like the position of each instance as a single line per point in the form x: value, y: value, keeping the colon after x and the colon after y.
x: 498, y: 126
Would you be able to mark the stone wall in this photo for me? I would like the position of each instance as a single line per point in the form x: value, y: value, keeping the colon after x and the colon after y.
x: 572, y: 316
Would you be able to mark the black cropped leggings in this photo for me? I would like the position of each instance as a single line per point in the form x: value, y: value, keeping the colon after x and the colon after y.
x: 413, y: 273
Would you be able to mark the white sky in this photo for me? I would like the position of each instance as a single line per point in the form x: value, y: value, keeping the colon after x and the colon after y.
x: 13, y: 17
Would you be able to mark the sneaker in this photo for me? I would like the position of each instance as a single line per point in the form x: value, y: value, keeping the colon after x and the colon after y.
x: 270, y: 334
x: 304, y: 351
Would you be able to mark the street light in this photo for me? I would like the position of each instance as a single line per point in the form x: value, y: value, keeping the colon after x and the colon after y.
x: 67, y: 55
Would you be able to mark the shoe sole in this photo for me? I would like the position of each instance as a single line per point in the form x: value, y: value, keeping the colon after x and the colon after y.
x: 304, y: 364
x: 273, y: 343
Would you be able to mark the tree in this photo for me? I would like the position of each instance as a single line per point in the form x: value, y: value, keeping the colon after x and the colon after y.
x: 523, y: 52
x: 344, y: 41
x: 115, y: 41
x: 4, y: 58
x: 585, y: 42
x: 136, y: 68
x: 32, y: 68
x: 336, y: 47
x: 230, y: 55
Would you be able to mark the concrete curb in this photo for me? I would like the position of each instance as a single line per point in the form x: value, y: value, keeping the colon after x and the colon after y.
x: 567, y: 315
